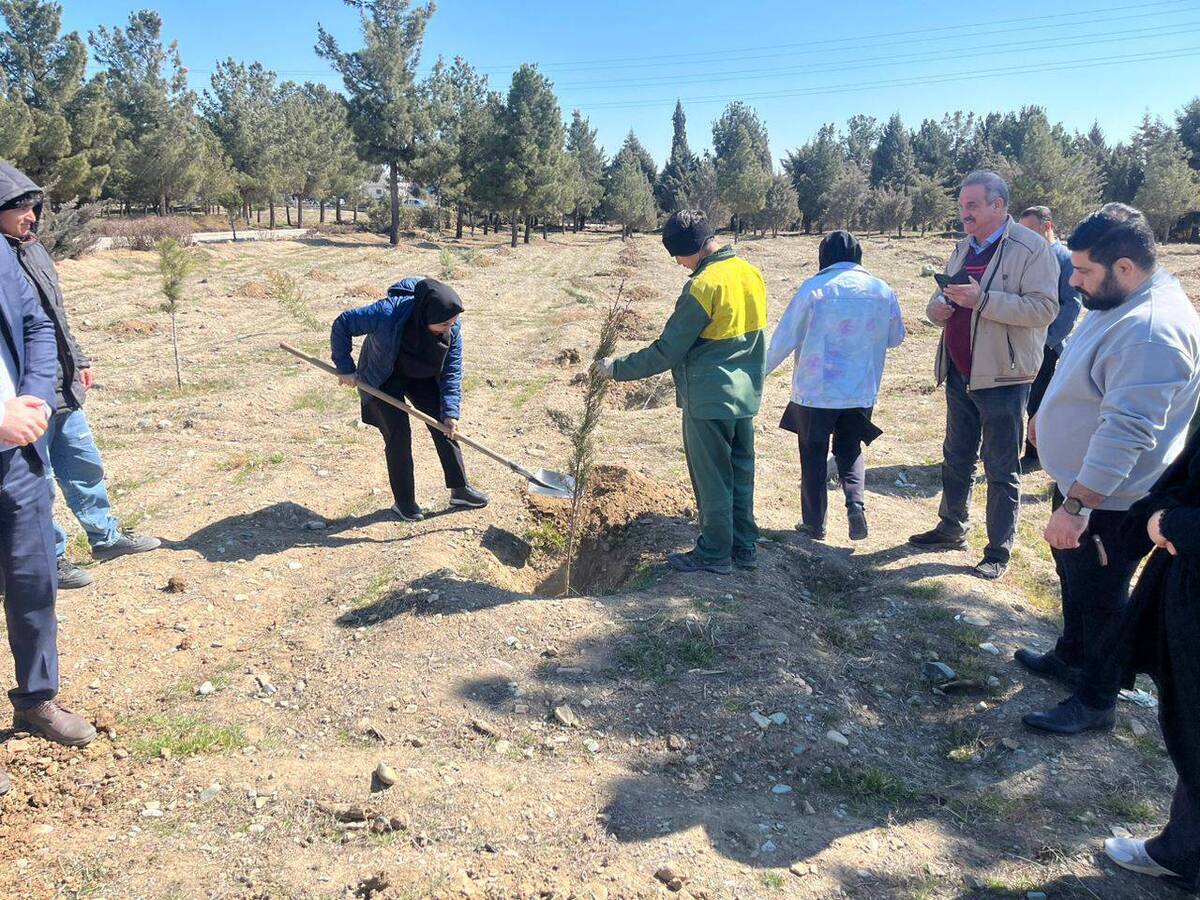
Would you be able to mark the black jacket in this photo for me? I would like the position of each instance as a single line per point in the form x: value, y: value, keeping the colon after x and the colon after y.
x: 39, y: 269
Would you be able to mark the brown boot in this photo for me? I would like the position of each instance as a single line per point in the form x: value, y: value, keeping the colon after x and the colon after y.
x: 51, y: 721
x: 5, y: 784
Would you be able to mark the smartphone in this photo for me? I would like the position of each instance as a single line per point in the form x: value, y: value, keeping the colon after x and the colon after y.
x: 959, y: 277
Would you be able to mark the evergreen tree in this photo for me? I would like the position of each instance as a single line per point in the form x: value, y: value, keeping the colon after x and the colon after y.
x: 705, y: 191
x: 242, y: 110
x: 932, y: 206
x: 933, y: 150
x: 728, y: 136
x: 1122, y: 174
x: 892, y: 164
x: 1187, y: 121
x: 54, y: 125
x: 588, y: 170
x: 891, y: 208
x: 742, y: 177
x: 847, y: 197
x: 1046, y: 176
x: 385, y: 108
x: 634, y: 149
x: 674, y: 182
x: 1170, y: 188
x: 862, y: 134
x: 813, y: 169
x: 782, y: 208
x: 629, y: 197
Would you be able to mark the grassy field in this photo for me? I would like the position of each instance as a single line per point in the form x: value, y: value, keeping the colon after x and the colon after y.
x: 336, y: 638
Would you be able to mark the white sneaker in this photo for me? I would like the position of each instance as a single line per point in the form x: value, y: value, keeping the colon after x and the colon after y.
x: 1130, y: 853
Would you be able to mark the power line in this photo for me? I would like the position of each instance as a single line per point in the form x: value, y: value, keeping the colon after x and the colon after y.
x: 1125, y: 35
x: 947, y: 77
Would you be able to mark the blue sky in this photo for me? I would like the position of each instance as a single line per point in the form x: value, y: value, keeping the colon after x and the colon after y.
x: 799, y: 64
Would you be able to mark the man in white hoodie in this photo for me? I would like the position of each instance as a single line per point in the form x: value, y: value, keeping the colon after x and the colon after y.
x: 839, y: 326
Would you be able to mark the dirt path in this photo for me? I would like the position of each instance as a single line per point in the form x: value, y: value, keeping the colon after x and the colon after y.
x: 753, y: 736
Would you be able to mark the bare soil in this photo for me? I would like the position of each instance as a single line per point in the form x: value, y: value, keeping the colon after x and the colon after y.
x: 291, y: 635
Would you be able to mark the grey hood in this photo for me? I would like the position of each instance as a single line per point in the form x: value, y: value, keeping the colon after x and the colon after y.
x: 14, y: 183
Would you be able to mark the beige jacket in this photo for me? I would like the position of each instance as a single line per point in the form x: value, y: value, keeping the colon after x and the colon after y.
x: 1020, y: 300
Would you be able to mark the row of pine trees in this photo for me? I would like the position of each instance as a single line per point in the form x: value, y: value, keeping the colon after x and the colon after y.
x: 137, y: 134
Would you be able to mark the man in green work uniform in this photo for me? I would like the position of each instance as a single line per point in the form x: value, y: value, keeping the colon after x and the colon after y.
x: 714, y: 346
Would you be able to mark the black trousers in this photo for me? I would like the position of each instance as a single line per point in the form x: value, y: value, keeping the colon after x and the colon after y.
x: 815, y: 429
x: 1037, y: 390
x: 424, y: 395
x: 1177, y: 847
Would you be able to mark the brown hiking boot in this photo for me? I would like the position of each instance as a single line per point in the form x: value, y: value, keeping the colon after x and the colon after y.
x: 5, y: 784
x: 54, y: 723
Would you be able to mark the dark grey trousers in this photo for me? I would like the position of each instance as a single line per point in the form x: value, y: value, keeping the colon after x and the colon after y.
x: 817, y: 427
x: 988, y: 423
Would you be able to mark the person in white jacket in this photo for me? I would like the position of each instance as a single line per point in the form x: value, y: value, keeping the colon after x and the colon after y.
x: 839, y: 326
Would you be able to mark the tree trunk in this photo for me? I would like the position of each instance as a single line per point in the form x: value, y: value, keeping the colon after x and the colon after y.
x: 233, y: 226
x: 545, y: 235
x: 355, y: 219
x: 458, y: 213
x: 175, y: 345
x: 527, y: 220
x: 737, y: 226
x: 322, y: 218
x: 899, y: 231
x: 394, y: 192
x: 271, y: 217
x: 487, y: 220
x: 515, y: 226
x: 337, y: 210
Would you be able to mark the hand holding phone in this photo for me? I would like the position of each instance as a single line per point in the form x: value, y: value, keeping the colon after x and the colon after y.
x: 944, y: 281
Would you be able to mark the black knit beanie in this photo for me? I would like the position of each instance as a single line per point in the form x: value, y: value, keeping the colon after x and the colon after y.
x: 682, y: 239
x: 839, y: 246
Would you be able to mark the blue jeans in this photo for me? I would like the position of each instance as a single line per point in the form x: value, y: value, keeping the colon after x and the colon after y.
x: 76, y: 466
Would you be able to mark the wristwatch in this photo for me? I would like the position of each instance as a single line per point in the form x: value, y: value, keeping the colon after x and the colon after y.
x: 1075, y: 507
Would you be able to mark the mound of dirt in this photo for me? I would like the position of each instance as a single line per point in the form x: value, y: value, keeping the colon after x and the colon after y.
x: 364, y: 290
x: 567, y: 357
x: 254, y: 290
x: 627, y: 519
x: 635, y: 327
x: 649, y: 393
x: 132, y: 328
x: 641, y: 293
x: 320, y: 275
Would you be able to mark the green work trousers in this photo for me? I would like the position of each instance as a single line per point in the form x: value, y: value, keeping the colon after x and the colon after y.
x: 720, y: 458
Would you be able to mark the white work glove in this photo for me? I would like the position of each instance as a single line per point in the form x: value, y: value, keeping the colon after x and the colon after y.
x: 604, y: 366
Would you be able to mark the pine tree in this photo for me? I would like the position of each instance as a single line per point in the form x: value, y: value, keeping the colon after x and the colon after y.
x: 742, y: 177
x: 1187, y: 121
x: 1046, y: 176
x: 813, y: 169
x: 737, y: 126
x: 674, y: 182
x: 385, y: 108
x: 782, y: 207
x: 705, y: 192
x: 589, y: 168
x: 847, y: 197
x: 892, y: 164
x: 862, y: 134
x: 1170, y: 189
x: 932, y: 206
x: 629, y: 197
x: 891, y: 208
x: 933, y: 150
x: 54, y: 125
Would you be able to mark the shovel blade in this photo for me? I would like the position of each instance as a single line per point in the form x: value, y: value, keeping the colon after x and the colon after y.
x: 552, y: 484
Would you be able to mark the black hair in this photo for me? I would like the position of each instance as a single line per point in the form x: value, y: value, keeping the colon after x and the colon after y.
x: 1116, y: 231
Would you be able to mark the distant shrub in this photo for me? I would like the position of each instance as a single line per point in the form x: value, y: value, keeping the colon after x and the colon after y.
x: 145, y: 233
x: 70, y: 232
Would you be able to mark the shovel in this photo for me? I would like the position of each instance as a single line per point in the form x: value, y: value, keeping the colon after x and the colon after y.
x: 541, y: 481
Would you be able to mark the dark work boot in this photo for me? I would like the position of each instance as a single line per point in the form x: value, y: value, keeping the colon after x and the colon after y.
x: 936, y: 539
x: 1049, y: 665
x: 469, y: 497
x: 55, y: 723
x: 858, y: 522
x: 409, y: 512
x: 1071, y: 716
x: 690, y: 562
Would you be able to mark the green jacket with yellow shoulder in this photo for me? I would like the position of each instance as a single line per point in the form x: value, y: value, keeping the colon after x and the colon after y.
x: 713, y: 343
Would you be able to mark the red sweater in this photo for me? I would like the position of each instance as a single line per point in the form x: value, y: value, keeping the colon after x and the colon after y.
x: 958, y: 328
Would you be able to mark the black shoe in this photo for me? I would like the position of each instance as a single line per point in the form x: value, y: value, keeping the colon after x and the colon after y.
x: 989, y: 569
x: 1071, y: 716
x: 817, y: 534
x: 409, y: 512
x: 746, y: 559
x: 1049, y: 665
x: 127, y: 542
x: 71, y: 576
x: 1030, y: 463
x: 858, y: 523
x: 468, y: 496
x: 938, y: 539
x: 689, y: 562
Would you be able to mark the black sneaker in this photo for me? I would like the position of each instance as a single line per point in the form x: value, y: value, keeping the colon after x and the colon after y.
x: 690, y: 562
x: 817, y: 534
x: 127, y: 542
x: 469, y: 497
x: 746, y: 559
x: 858, y: 523
x: 71, y: 576
x: 938, y: 539
x: 1030, y: 463
x: 409, y: 512
x: 989, y: 569
x: 1050, y: 665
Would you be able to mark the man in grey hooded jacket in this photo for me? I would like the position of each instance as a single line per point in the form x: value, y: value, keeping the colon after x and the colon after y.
x: 74, y: 457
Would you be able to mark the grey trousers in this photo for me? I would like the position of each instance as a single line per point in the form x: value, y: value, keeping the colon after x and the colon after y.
x: 988, y: 423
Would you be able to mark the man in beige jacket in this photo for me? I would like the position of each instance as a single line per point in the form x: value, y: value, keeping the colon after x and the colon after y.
x: 994, y: 331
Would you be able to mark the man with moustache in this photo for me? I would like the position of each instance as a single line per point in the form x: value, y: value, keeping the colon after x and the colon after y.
x: 1115, y: 414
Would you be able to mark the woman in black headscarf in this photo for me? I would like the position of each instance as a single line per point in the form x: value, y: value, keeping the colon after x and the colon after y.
x: 412, y: 351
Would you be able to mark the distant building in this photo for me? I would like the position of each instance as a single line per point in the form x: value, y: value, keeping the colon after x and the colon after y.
x: 377, y: 190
